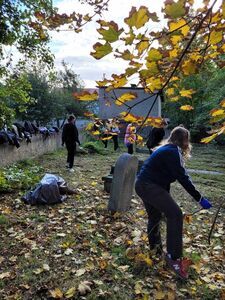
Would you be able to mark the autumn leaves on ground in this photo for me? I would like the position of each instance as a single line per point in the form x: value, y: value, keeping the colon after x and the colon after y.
x: 78, y: 250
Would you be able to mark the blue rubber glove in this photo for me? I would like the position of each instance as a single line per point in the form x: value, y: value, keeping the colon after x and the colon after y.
x: 204, y: 202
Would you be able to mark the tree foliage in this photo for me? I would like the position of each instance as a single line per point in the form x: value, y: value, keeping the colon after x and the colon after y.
x: 162, y: 58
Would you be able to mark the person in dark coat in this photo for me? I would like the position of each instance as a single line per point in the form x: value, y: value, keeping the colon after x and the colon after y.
x: 164, y: 166
x: 155, y: 137
x: 70, y: 137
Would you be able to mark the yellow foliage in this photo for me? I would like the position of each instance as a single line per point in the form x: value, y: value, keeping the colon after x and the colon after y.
x: 86, y: 96
x: 173, y: 53
x: 186, y: 107
x: 125, y: 97
x: 180, y: 25
x: 176, y: 38
x: 154, y: 55
x: 170, y: 91
x: 215, y: 37
x: 187, y: 93
x: 142, y: 46
x: 217, y: 112
x: 137, y: 18
x: 189, y: 67
x: 101, y: 50
x: 175, y: 9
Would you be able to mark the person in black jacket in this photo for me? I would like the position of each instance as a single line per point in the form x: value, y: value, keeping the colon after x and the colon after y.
x: 155, y: 137
x: 70, y: 138
x: 164, y: 166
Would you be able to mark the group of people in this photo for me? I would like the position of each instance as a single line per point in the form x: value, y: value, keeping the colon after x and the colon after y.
x: 108, y: 129
x: 164, y: 166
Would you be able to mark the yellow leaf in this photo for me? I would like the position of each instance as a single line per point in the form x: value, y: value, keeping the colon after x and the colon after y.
x: 89, y: 126
x: 223, y: 9
x: 137, y: 18
x: 152, y: 69
x: 119, y: 81
x: 209, y: 138
x: 174, y: 99
x: 70, y: 293
x: 125, y: 97
x: 56, y: 293
x: 102, y: 83
x: 187, y: 93
x: 101, y: 50
x: 142, y: 46
x: 154, y: 55
x: 222, y: 103
x: 154, y: 83
x: 186, y: 107
x: 96, y: 132
x: 86, y: 96
x: 175, y: 9
x: 216, y: 112
x: 126, y: 55
x: 181, y: 26
x: 176, y: 38
x: 159, y: 295
x: 170, y: 91
x: 189, y: 67
x: 173, y: 53
x: 215, y: 37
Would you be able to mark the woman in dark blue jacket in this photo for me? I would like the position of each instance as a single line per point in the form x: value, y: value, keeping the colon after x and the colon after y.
x: 164, y: 166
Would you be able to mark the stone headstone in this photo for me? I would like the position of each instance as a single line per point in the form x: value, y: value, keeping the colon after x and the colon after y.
x: 123, y: 182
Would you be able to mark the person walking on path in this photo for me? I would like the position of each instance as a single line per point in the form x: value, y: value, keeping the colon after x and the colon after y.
x: 130, y: 138
x: 70, y: 137
x: 164, y: 166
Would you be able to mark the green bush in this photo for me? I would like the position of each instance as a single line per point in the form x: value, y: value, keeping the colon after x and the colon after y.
x: 93, y: 147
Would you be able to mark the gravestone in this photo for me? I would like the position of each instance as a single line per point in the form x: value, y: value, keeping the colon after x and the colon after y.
x: 123, y: 182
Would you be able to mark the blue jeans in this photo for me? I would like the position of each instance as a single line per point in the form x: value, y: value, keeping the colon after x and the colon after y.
x: 158, y: 201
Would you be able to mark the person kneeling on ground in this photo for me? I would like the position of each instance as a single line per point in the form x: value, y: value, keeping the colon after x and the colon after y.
x: 164, y: 166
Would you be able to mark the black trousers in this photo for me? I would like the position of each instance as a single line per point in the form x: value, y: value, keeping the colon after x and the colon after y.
x: 115, y: 142
x: 130, y: 148
x: 158, y: 201
x: 71, y: 150
x: 105, y: 142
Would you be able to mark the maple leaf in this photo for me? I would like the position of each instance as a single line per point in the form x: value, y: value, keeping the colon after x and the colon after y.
x: 175, y: 9
x: 125, y: 97
x: 222, y: 103
x: 189, y: 67
x: 101, y: 50
x: 170, y: 91
x: 181, y: 25
x: 215, y: 37
x: 126, y: 55
x: 154, y: 55
x: 86, y: 96
x: 137, y: 18
x: 112, y: 33
x: 186, y: 107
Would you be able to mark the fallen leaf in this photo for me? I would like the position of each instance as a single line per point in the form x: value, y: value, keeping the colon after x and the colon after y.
x: 84, y: 287
x: 56, y: 293
x: 5, y: 275
x: 80, y: 272
x: 70, y: 293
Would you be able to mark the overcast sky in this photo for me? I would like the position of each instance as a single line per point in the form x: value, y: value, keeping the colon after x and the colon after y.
x: 75, y: 48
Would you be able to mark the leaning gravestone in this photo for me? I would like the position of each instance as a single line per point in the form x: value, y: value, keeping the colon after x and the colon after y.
x: 123, y: 183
